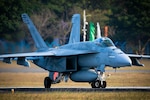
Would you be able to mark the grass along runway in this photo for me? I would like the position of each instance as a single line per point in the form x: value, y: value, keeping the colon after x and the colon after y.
x: 29, y: 79
x: 77, y: 96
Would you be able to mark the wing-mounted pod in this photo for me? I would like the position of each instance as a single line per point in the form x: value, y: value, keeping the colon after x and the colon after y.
x: 135, y: 59
x: 7, y: 60
x: 23, y: 61
x: 20, y: 61
x: 136, y: 62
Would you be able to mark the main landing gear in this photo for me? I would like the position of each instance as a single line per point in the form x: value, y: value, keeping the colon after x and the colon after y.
x: 98, y: 83
x: 95, y: 84
x: 47, y: 82
x: 53, y: 78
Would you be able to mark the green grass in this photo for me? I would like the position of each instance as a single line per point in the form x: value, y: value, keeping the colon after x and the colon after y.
x: 76, y: 96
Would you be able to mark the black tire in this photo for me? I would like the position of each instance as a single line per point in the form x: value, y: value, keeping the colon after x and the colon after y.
x: 96, y: 84
x: 47, y: 82
x: 104, y: 84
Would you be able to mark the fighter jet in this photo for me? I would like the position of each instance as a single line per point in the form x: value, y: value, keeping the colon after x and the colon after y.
x: 79, y: 61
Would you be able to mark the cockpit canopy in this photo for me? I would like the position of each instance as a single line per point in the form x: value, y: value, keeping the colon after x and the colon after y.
x: 104, y: 42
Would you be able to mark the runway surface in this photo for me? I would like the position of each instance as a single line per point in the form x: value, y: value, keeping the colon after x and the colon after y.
x: 108, y: 89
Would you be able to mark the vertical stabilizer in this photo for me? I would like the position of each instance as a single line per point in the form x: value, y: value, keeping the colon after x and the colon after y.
x: 98, y: 31
x: 75, y: 31
x: 39, y: 42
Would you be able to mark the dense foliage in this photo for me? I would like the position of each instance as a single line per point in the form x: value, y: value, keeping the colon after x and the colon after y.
x: 128, y: 20
x: 131, y: 20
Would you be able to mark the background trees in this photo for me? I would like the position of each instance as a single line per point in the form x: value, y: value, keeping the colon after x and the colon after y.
x: 131, y: 20
x: 128, y: 21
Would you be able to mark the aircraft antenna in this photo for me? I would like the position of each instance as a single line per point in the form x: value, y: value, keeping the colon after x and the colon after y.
x: 84, y: 25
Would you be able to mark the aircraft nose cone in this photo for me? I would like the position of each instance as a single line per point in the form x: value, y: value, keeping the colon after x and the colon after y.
x: 124, y: 60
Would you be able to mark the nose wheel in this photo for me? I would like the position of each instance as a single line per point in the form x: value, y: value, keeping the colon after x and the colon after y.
x: 99, y: 84
x: 104, y: 84
x: 96, y: 84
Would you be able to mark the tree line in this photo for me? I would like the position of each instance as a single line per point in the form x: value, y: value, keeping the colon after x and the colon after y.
x: 128, y: 20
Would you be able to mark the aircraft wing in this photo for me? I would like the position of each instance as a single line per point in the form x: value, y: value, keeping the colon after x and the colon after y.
x: 23, y: 57
x: 31, y: 54
x: 138, y: 56
x: 134, y: 58
x: 56, y: 52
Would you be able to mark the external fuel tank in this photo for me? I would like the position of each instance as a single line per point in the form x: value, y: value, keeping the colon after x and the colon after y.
x: 84, y: 76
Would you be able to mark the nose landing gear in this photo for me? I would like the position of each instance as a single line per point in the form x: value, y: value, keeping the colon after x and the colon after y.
x: 100, y: 82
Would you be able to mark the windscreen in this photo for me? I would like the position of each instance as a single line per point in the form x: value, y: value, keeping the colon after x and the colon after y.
x: 104, y: 42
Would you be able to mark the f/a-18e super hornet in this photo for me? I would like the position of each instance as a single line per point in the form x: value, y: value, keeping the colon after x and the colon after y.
x: 79, y: 61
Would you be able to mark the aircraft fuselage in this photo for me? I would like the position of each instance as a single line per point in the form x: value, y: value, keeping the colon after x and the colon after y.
x: 110, y: 56
x: 107, y: 55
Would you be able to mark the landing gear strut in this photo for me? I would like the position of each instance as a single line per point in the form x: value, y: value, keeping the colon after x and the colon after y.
x: 47, y: 82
